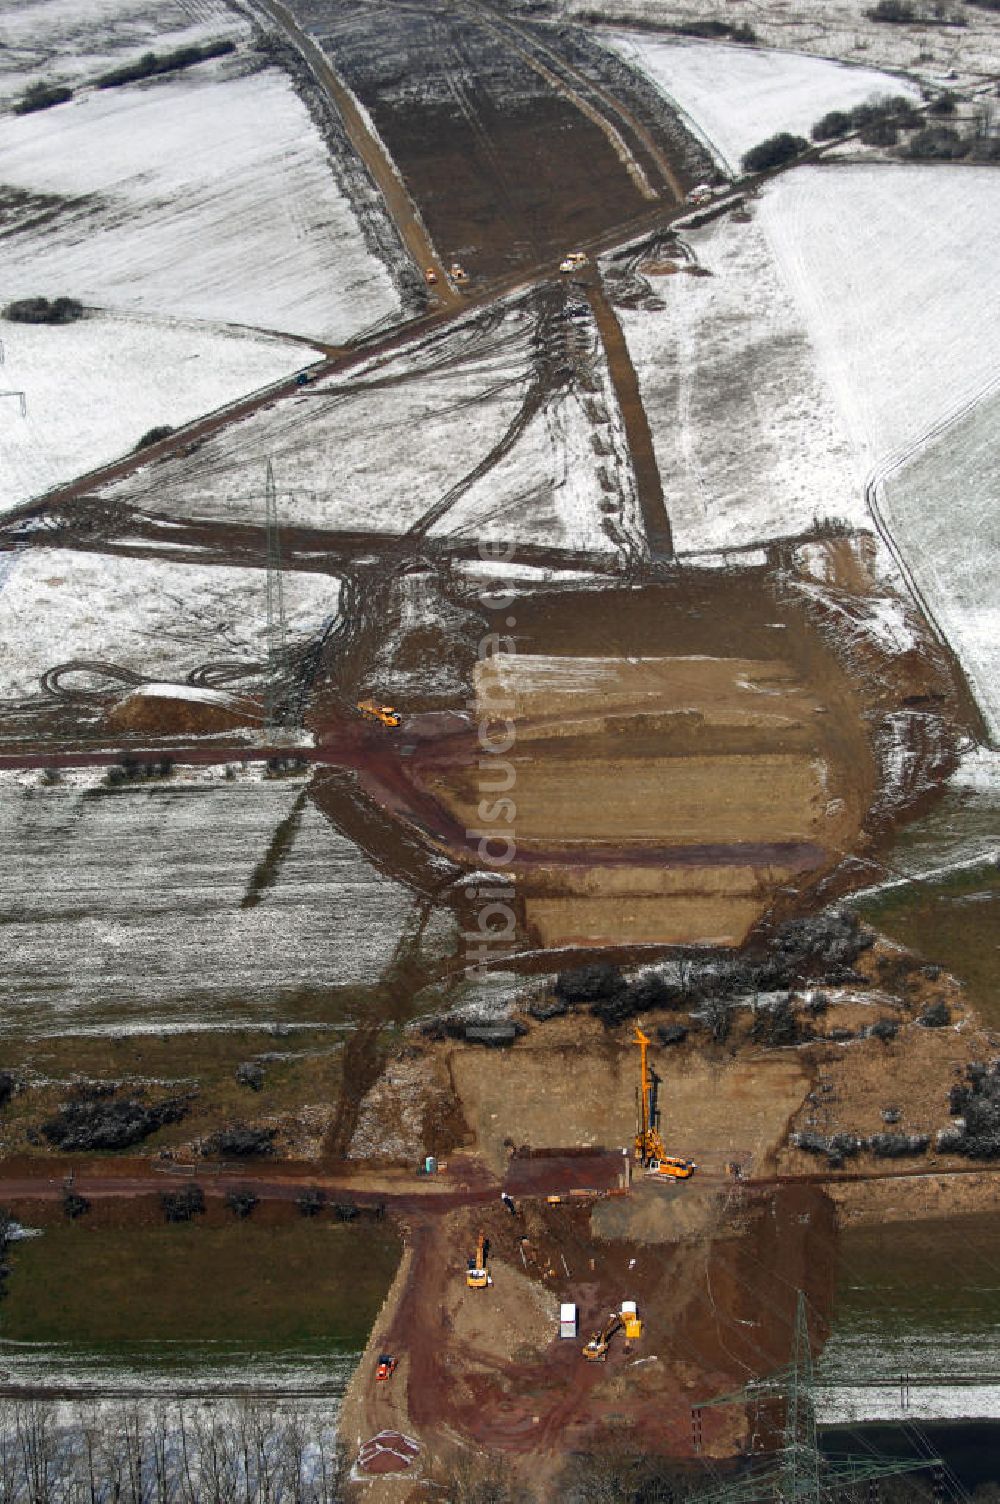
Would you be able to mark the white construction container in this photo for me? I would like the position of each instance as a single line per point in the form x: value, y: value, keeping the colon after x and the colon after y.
x: 567, y: 1320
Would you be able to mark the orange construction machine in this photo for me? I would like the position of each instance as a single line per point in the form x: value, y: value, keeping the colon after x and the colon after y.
x: 477, y: 1276
x: 386, y: 1367
x: 650, y: 1150
x: 596, y: 1350
x: 386, y: 715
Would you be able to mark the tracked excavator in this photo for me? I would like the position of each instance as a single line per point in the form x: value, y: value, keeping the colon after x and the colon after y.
x: 650, y: 1149
x: 596, y: 1350
x: 477, y: 1276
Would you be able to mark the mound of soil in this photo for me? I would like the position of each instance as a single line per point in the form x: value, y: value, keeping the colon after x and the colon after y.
x: 176, y: 710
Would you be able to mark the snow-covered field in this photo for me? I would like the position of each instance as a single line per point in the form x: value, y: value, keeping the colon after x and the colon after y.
x: 833, y: 29
x: 737, y: 96
x: 160, y: 620
x: 93, y: 388
x: 941, y: 508
x: 894, y: 270
x: 122, y: 909
x: 71, y: 41
x: 746, y: 436
x: 379, y: 451
x: 199, y: 195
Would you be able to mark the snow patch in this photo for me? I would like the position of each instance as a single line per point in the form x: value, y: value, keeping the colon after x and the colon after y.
x: 150, y: 617
x: 199, y: 196
x: 739, y: 95
x: 94, y: 388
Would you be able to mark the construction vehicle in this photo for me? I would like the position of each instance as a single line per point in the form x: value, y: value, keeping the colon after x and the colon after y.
x: 386, y: 715
x: 650, y: 1149
x: 430, y: 276
x: 573, y: 261
x: 596, y: 1350
x: 387, y: 1365
x: 633, y: 1323
x: 457, y: 272
x: 477, y: 1276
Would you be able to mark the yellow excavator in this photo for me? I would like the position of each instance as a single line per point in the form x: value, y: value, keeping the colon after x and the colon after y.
x: 650, y: 1149
x: 386, y: 715
x: 477, y: 1276
x: 596, y: 1350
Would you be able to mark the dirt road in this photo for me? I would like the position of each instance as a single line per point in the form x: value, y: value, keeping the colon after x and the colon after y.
x: 371, y: 150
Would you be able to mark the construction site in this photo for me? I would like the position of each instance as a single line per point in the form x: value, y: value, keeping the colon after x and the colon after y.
x: 498, y: 753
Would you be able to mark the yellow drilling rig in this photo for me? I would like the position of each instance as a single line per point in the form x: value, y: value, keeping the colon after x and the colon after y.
x: 650, y: 1149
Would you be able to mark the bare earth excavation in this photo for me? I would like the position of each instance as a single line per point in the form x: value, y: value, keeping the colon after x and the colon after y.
x: 498, y: 708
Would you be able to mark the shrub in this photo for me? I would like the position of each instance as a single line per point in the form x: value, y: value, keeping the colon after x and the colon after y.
x: 740, y: 32
x: 240, y: 1142
x: 898, y: 1145
x: 809, y: 1142
x: 935, y: 1016
x: 587, y: 984
x: 183, y: 1205
x: 880, y: 133
x: 885, y: 1029
x: 837, y: 1148
x: 944, y: 104
x: 251, y: 1075
x: 311, y: 1201
x: 892, y: 10
x: 543, y: 1009
x: 42, y: 311
x: 775, y: 1026
x: 718, y: 1019
x: 824, y: 945
x: 672, y: 1034
x: 7, y: 1084
x: 241, y: 1203
x: 85, y: 1127
x: 154, y: 435
x: 843, y: 1146
x: 937, y: 143
x: 774, y: 152
x: 959, y: 1098
x: 150, y: 64
x: 42, y: 96
x: 830, y: 126
x: 978, y: 1101
x: 74, y: 1205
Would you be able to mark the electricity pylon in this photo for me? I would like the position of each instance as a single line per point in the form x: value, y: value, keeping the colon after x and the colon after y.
x: 799, y: 1473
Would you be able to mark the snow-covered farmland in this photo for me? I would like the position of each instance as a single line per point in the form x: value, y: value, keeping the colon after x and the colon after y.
x: 159, y: 620
x: 737, y: 96
x: 746, y: 436
x: 199, y: 195
x: 124, y: 908
x: 895, y: 271
x: 72, y: 41
x: 833, y: 29
x: 941, y: 508
x: 93, y: 388
x: 400, y: 443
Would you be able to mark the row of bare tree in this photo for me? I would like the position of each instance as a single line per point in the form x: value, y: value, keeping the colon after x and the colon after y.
x: 278, y: 1451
